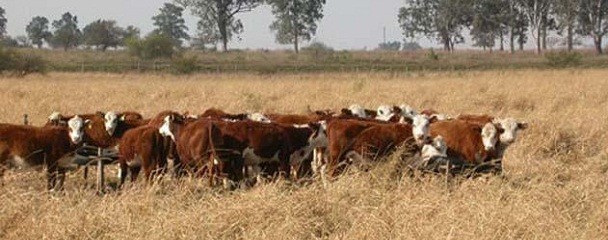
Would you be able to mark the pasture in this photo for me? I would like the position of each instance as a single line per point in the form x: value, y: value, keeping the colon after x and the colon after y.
x: 554, y: 184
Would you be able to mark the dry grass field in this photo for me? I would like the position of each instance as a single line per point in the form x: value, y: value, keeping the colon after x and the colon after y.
x: 555, y: 183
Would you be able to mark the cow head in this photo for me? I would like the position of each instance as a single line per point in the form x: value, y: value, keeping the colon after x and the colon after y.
x: 76, y: 129
x: 384, y: 113
x: 258, y: 117
x: 167, y: 129
x: 438, y: 148
x: 407, y: 111
x: 110, y: 120
x: 510, y: 129
x: 420, y: 128
x: 489, y: 136
x: 357, y: 110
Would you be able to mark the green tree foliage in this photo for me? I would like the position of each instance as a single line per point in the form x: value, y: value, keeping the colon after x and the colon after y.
x: 443, y: 20
x: 152, y: 47
x: 593, y: 22
x: 218, y: 17
x: 490, y: 21
x: 390, y: 46
x: 103, y: 34
x: 411, y: 46
x: 169, y: 22
x: 38, y: 31
x: 3, y: 22
x: 19, y: 64
x: 66, y: 34
x: 537, y: 13
x: 296, y: 20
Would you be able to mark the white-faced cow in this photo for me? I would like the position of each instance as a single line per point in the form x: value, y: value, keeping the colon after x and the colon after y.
x: 48, y: 146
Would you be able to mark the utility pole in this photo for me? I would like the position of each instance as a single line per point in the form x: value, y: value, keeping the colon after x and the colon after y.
x: 384, y: 35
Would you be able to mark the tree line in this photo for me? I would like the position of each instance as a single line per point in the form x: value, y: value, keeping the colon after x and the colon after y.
x: 296, y: 21
x: 495, y: 22
x: 491, y: 24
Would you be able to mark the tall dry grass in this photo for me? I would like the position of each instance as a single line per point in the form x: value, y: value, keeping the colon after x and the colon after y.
x: 554, y: 185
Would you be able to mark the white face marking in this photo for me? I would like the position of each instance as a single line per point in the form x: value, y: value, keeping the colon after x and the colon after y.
x: 510, y: 127
x: 489, y: 136
x: 420, y: 128
x: 54, y: 117
x: 258, y: 117
x: 165, y: 129
x: 407, y: 111
x: 110, y: 122
x: 384, y: 113
x: 76, y: 129
x: 357, y: 110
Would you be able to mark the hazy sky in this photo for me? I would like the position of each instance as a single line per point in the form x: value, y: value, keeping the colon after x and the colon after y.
x: 348, y: 24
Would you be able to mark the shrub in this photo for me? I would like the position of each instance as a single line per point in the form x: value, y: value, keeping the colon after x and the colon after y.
x: 318, y: 51
x: 563, y: 59
x: 16, y: 63
x: 185, y: 65
x: 432, y: 55
x: 152, y: 47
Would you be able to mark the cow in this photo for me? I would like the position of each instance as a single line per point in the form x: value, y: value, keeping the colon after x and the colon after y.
x: 144, y: 148
x: 48, y: 146
x: 234, y: 145
x: 113, y: 120
x: 381, y: 140
x: 468, y: 143
x: 509, y: 129
x: 342, y: 132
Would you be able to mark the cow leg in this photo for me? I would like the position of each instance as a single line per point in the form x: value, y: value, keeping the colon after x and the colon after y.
x: 51, y: 175
x: 60, y: 179
x: 135, y: 173
x: 122, y: 173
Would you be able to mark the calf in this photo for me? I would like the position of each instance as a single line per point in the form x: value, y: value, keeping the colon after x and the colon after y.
x: 467, y: 142
x: 142, y: 148
x: 49, y: 146
x: 509, y: 129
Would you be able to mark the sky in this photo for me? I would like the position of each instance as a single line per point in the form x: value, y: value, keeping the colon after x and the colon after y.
x: 348, y: 24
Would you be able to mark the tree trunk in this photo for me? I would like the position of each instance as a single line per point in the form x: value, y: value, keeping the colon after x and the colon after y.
x: 502, y: 41
x: 597, y: 40
x: 570, y: 37
x: 538, y: 41
x: 512, y: 40
x: 39, y: 45
x: 295, y: 41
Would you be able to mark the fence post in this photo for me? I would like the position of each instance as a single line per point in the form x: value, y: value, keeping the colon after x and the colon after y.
x: 100, y: 176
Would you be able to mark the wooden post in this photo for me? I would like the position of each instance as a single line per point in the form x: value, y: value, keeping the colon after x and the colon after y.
x: 100, y: 177
x: 25, y: 120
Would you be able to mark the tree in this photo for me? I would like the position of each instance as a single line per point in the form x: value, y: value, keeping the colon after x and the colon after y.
x: 130, y: 32
x: 593, y: 22
x: 537, y: 12
x: 443, y: 20
x: 566, y: 13
x: 295, y: 20
x: 152, y: 47
x: 487, y: 22
x: 221, y: 15
x: 38, y: 31
x: 66, y: 34
x: 3, y: 22
x: 103, y: 34
x: 169, y: 22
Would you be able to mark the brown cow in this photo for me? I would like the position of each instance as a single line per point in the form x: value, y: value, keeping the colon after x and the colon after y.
x: 143, y: 148
x: 380, y: 141
x: 468, y: 142
x: 235, y: 145
x: 49, y: 146
x: 510, y: 129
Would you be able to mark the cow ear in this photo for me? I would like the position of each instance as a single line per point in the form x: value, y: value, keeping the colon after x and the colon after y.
x: 122, y: 118
x: 433, y: 119
x: 522, y: 125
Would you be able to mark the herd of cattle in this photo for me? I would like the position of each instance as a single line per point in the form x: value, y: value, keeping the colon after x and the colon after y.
x: 232, y: 148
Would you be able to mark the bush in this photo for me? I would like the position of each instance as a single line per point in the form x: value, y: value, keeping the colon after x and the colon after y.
x: 185, y: 65
x: 318, y: 51
x: 152, y: 47
x: 432, y: 55
x: 563, y: 59
x: 13, y: 62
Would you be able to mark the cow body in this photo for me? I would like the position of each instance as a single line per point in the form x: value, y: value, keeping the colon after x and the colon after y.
x: 142, y: 148
x: 465, y: 140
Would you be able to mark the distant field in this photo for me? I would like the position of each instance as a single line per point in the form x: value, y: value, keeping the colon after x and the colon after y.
x: 554, y: 185
x: 245, y: 61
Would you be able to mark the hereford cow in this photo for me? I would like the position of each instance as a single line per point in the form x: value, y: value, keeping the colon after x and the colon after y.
x: 143, y: 148
x: 243, y: 143
x: 467, y: 142
x: 509, y: 128
x: 49, y: 146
